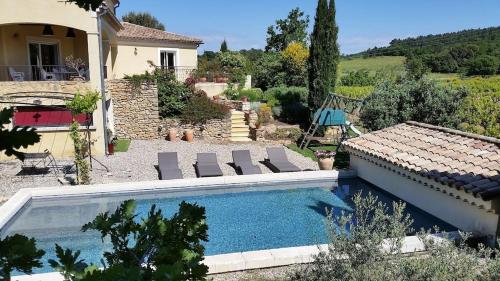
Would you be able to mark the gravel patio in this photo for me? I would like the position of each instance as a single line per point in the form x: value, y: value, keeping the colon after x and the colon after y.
x: 139, y: 164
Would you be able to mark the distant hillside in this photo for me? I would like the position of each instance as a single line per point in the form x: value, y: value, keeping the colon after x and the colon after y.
x: 476, y: 51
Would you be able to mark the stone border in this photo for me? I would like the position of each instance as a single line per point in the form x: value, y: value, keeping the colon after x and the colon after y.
x: 265, y: 258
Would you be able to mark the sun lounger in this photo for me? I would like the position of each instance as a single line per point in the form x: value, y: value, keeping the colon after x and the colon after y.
x: 278, y: 162
x: 207, y: 166
x: 243, y: 162
x: 168, y: 165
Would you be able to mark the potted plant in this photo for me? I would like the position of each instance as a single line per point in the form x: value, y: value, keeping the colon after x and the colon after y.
x: 325, y: 159
x: 111, y: 146
x: 189, y: 135
x: 244, y: 99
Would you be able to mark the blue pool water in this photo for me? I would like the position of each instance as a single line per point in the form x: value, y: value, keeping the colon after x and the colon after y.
x: 244, y: 221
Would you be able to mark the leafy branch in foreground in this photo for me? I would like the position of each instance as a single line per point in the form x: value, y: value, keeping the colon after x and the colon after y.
x: 156, y: 248
x: 19, y: 253
x: 12, y: 140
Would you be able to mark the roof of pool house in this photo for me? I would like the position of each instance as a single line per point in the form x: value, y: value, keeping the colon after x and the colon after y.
x: 134, y: 32
x: 465, y: 161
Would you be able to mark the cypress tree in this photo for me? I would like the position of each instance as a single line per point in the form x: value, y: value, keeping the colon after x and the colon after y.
x: 323, y: 54
x: 223, y: 46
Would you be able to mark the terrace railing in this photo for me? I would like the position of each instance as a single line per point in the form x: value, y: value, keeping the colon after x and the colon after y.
x: 181, y: 73
x: 20, y: 73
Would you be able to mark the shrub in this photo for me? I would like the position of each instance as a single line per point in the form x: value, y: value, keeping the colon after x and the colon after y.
x: 292, y: 102
x: 293, y: 134
x: 265, y: 114
x: 358, y: 78
x: 200, y: 109
x: 356, y: 253
x: 424, y: 101
x: 253, y: 94
x: 287, y: 95
x: 356, y: 92
x: 483, y: 65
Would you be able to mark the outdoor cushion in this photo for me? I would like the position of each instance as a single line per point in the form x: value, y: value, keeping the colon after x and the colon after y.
x: 207, y: 166
x: 243, y: 161
x: 168, y: 164
x: 278, y: 161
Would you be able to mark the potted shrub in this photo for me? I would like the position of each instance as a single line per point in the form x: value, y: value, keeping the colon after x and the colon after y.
x: 325, y: 159
x: 189, y: 135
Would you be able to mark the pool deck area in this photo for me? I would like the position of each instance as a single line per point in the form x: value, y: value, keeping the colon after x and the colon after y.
x: 138, y: 164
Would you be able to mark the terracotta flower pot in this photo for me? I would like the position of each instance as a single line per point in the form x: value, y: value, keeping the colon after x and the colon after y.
x: 172, y: 135
x: 202, y: 79
x: 244, y: 99
x: 189, y: 135
x: 325, y: 164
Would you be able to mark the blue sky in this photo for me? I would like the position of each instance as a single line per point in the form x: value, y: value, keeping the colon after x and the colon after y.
x: 363, y: 23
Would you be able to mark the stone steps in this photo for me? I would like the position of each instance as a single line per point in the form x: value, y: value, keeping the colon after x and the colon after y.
x: 239, y: 129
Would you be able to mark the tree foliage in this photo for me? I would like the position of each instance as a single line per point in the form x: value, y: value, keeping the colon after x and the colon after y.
x: 295, y: 64
x: 18, y: 137
x: 394, y: 102
x: 87, y: 4
x: 473, y: 52
x: 269, y: 71
x: 323, y: 55
x: 143, y: 19
x: 223, y: 46
x: 152, y: 249
x: 19, y: 253
x: 286, y: 31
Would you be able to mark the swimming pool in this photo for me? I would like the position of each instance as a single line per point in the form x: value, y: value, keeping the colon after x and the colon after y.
x: 254, y: 218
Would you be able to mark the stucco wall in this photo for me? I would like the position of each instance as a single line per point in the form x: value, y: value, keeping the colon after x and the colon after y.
x: 130, y: 58
x: 436, y: 202
x: 135, y: 109
x: 54, y: 12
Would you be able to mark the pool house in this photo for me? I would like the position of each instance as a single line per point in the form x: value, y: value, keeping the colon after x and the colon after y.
x: 450, y: 174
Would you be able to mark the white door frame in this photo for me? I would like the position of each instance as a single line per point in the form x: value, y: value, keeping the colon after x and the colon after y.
x: 175, y: 51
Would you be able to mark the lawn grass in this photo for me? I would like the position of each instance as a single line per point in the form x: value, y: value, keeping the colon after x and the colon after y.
x: 373, y: 64
x: 122, y: 145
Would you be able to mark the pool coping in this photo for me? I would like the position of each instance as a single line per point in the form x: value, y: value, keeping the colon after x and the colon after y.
x: 10, y: 208
x: 252, y: 260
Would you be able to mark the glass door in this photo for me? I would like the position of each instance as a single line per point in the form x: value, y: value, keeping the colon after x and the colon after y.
x: 43, y: 56
x: 167, y: 60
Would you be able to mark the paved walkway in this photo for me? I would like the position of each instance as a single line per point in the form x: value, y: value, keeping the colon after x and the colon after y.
x: 138, y: 164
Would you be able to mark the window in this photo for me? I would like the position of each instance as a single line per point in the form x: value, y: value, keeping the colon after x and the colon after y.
x: 40, y: 116
x: 167, y: 59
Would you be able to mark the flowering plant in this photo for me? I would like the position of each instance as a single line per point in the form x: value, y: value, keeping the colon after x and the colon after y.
x: 323, y: 154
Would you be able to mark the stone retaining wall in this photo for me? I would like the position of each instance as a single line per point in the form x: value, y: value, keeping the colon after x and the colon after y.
x: 135, y: 109
x: 215, y: 129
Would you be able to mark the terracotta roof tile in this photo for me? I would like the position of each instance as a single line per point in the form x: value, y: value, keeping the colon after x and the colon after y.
x: 136, y: 32
x: 463, y: 160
